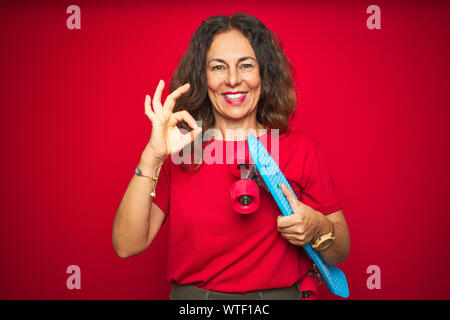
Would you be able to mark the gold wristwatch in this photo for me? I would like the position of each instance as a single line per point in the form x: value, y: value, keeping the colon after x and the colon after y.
x: 324, y: 241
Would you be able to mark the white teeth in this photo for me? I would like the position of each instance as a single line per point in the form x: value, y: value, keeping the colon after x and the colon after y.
x: 236, y: 96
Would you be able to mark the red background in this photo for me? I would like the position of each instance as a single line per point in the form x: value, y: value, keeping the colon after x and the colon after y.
x: 73, y: 127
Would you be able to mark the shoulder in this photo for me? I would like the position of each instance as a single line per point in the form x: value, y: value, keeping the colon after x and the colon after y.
x: 298, y: 137
x: 298, y: 142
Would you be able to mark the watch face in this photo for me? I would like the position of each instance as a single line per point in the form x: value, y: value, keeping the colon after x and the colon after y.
x: 325, y: 244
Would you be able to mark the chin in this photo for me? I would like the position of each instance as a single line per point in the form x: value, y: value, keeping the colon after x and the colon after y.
x: 237, y: 116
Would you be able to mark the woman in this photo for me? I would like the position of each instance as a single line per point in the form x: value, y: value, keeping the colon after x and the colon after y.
x: 234, y: 78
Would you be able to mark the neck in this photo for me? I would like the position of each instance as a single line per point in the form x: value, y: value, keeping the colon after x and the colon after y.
x: 232, y: 130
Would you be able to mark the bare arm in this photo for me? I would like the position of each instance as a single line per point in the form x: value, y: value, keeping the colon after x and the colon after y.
x: 340, y: 249
x: 138, y: 219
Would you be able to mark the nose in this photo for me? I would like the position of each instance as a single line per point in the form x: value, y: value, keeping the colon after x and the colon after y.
x: 233, y: 78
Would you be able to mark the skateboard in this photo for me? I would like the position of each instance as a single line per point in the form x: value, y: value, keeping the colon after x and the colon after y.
x: 273, y: 178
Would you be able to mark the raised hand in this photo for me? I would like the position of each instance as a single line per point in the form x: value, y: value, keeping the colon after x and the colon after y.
x: 166, y: 138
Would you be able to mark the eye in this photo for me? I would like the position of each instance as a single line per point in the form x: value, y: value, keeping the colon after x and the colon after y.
x: 246, y: 66
x: 218, y: 67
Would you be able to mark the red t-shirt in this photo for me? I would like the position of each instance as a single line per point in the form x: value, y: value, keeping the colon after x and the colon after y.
x: 213, y: 247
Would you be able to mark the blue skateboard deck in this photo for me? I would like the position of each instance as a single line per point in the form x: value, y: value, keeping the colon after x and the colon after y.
x: 273, y: 178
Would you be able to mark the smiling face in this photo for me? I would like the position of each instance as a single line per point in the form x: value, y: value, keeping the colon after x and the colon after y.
x: 232, y: 75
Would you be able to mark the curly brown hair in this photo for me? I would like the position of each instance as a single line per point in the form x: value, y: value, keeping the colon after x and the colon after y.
x: 277, y: 102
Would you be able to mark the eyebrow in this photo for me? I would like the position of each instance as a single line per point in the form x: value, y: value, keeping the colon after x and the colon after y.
x: 223, y: 61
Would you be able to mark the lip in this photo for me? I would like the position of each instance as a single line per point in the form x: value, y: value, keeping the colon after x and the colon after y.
x: 234, y: 92
x: 235, y: 102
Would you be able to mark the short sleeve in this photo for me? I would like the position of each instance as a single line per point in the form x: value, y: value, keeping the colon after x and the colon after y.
x: 319, y: 192
x: 162, y: 198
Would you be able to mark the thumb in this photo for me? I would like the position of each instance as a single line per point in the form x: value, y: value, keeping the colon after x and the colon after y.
x: 191, y: 136
x: 195, y: 133
x: 290, y: 196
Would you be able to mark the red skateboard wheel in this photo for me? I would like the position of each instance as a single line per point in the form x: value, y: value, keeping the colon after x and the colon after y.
x: 245, y: 196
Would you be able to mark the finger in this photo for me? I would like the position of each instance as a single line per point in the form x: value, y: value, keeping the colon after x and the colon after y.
x: 186, y: 117
x: 285, y: 221
x: 183, y: 116
x: 169, y: 104
x: 289, y: 236
x: 191, y: 136
x: 292, y: 229
x: 291, y: 198
x: 293, y: 239
x: 148, y: 109
x: 157, y: 106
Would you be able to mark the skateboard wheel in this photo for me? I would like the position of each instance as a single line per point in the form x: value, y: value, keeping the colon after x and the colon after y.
x: 245, y: 196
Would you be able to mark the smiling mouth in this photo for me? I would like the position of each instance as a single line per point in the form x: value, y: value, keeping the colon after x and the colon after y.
x: 234, y: 98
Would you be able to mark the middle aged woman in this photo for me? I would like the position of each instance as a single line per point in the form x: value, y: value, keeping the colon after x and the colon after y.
x: 234, y: 78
